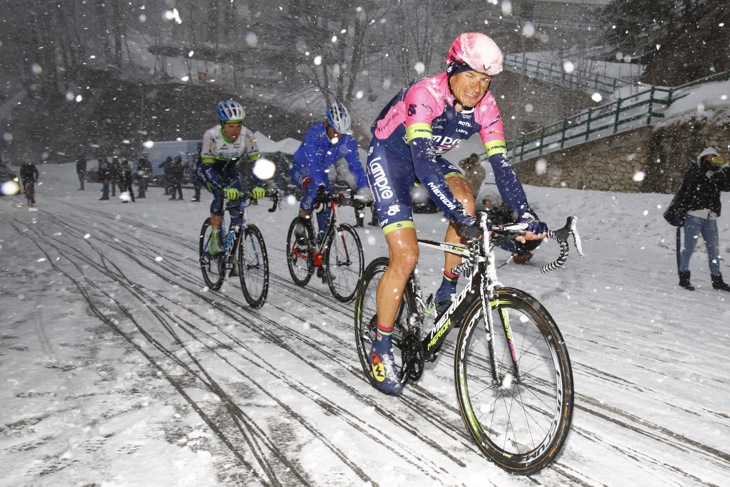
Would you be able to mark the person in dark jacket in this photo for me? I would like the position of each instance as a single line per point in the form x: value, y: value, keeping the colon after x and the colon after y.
x: 125, y: 178
x: 81, y: 170
x: 176, y: 172
x: 699, y: 198
x: 104, y: 177
x: 166, y: 166
x: 143, y: 175
x: 115, y: 173
x: 28, y: 176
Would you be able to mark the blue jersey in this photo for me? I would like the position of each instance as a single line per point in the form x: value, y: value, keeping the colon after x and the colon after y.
x: 316, y: 155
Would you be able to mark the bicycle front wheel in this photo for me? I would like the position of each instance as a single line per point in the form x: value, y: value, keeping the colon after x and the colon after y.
x: 515, y: 392
x: 343, y: 261
x: 299, y: 255
x: 253, y: 266
x: 213, y: 268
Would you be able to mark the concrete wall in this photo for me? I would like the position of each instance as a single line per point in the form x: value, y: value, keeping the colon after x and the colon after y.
x: 646, y: 160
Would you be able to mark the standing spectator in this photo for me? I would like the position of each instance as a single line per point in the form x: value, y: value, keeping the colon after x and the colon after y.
x: 114, y: 176
x: 166, y: 166
x: 699, y: 198
x: 104, y: 177
x: 81, y: 170
x: 176, y: 173
x: 474, y: 173
x: 144, y: 173
x: 139, y: 178
x: 125, y: 179
x: 197, y: 182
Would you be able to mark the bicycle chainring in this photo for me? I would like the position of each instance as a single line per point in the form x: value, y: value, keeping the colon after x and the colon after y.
x: 412, y: 355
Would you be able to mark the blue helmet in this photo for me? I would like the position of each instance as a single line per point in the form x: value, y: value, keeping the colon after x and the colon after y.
x: 339, y: 118
x: 230, y: 111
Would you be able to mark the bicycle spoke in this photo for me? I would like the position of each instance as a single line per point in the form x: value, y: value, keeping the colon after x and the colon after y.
x: 521, y: 419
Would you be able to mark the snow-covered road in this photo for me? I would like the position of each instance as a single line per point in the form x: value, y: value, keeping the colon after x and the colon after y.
x: 120, y: 369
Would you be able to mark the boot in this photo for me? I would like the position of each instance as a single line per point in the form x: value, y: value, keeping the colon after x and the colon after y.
x: 718, y: 283
x: 684, y: 281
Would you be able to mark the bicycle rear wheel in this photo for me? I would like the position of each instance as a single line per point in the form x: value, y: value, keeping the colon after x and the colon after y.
x: 213, y: 268
x: 366, y: 318
x: 516, y: 397
x: 343, y: 261
x: 299, y: 256
x: 253, y: 266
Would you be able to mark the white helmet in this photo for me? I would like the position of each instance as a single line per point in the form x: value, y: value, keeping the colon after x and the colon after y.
x: 230, y: 111
x: 477, y: 51
x: 339, y: 118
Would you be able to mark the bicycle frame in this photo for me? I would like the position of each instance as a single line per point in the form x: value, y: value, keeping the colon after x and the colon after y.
x: 333, y: 204
x: 479, y: 268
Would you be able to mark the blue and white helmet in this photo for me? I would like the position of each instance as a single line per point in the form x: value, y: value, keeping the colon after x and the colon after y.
x: 339, y: 118
x: 231, y: 111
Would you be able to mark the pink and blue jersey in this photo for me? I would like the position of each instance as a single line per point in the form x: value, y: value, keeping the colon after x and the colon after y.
x: 410, y: 136
x: 426, y: 109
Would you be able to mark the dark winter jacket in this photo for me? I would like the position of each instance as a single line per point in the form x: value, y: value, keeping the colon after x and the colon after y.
x: 81, y: 166
x: 28, y: 172
x: 701, y: 188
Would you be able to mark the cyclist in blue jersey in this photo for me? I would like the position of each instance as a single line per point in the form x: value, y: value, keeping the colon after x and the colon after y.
x: 410, y: 136
x: 224, y: 147
x: 323, y: 145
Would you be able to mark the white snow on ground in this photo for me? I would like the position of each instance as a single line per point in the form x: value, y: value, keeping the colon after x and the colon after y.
x: 120, y: 369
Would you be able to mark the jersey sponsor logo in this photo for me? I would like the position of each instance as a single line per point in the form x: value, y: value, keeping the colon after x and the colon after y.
x: 437, y: 192
x: 393, y: 210
x: 465, y: 123
x: 445, y: 141
x: 411, y: 109
x: 380, y: 181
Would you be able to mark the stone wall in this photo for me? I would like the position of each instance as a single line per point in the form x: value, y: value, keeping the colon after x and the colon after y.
x: 645, y: 160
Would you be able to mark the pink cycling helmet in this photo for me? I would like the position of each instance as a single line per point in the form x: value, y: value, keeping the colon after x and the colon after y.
x: 477, y: 51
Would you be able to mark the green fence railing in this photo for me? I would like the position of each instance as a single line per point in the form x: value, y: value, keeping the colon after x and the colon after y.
x: 623, y: 114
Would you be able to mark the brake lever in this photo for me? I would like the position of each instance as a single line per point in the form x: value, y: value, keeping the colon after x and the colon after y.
x: 275, y: 197
x: 571, y: 228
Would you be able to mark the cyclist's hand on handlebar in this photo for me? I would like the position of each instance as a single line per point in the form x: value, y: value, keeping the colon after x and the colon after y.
x: 258, y: 192
x: 232, y: 194
x: 466, y: 224
x: 535, y: 230
x: 322, y: 194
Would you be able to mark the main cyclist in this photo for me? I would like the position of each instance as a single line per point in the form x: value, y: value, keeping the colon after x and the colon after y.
x: 422, y: 122
x: 323, y: 145
x: 223, y: 147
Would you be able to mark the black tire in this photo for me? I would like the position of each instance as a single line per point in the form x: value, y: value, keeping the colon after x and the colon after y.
x: 520, y: 420
x: 300, y: 257
x: 253, y: 266
x: 366, y: 317
x: 213, y: 268
x: 343, y: 262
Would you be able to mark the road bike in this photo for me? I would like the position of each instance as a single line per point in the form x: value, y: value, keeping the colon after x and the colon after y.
x: 244, y: 254
x: 512, y: 371
x: 337, y: 257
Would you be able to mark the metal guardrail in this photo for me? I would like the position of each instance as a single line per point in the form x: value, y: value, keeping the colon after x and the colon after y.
x: 555, y: 74
x: 623, y: 114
